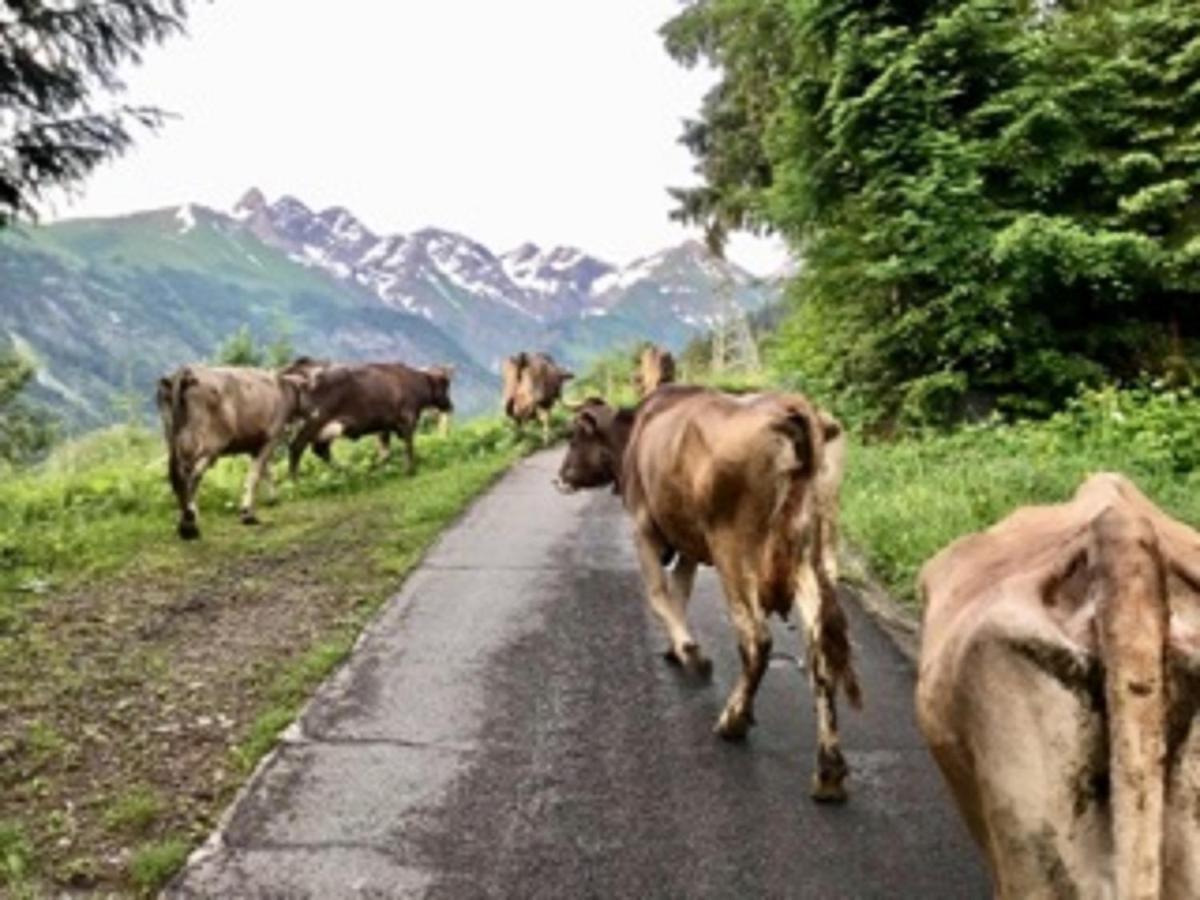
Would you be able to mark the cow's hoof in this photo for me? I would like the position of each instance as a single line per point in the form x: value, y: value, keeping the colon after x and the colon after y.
x: 828, y: 790
x: 696, y: 662
x: 828, y: 785
x: 734, y: 727
x: 692, y: 661
x: 248, y: 518
x: 189, y: 531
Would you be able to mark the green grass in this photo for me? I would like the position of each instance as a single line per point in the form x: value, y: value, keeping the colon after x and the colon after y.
x: 135, y: 809
x: 154, y: 862
x: 16, y: 859
x: 905, y: 500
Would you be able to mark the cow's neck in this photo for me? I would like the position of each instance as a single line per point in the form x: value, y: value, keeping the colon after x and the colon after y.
x: 618, y: 440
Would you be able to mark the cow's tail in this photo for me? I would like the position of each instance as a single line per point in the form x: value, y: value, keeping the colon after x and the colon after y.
x: 797, y: 532
x: 172, y: 408
x: 1133, y: 629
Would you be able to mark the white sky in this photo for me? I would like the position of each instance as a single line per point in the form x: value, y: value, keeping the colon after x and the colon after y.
x: 507, y: 120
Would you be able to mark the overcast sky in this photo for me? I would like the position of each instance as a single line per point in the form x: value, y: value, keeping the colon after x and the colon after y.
x: 547, y: 120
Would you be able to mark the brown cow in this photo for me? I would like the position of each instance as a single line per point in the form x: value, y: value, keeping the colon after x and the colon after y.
x: 1058, y: 690
x: 656, y: 367
x: 371, y: 398
x: 210, y: 412
x: 532, y: 384
x: 738, y: 483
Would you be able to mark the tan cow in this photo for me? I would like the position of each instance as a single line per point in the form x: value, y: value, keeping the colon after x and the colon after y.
x: 739, y: 483
x: 1058, y: 691
x: 210, y: 412
x: 655, y: 367
x: 533, y: 382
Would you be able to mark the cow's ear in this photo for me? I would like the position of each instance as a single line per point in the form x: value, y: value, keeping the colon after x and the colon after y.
x: 567, y: 376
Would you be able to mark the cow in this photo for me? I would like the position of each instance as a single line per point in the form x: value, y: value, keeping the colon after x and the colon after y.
x: 739, y: 483
x: 532, y: 384
x: 213, y: 411
x: 353, y: 400
x: 655, y: 366
x: 1058, y: 689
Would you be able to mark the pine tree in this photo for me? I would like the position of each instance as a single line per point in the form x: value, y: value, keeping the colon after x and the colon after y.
x: 54, y: 58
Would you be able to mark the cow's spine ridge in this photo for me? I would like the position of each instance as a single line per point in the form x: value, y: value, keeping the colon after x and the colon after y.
x: 1133, y: 629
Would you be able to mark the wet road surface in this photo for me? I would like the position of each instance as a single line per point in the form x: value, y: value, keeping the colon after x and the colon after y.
x: 507, y: 728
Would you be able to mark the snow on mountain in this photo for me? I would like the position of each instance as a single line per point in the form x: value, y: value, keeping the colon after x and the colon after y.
x: 497, y: 303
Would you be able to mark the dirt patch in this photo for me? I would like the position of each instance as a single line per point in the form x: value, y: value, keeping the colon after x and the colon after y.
x: 122, y: 703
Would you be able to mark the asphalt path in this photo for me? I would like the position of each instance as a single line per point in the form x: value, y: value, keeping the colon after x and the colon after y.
x: 507, y: 728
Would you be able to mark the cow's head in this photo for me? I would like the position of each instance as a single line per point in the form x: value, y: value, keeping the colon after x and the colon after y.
x: 439, y: 387
x: 532, y: 381
x: 599, y: 436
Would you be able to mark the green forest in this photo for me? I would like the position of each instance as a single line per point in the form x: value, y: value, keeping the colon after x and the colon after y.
x: 995, y: 202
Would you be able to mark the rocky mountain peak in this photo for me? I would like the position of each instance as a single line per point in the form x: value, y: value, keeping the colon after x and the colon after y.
x: 251, y: 202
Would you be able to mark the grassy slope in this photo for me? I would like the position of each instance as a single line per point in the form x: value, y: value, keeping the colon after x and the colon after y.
x: 109, y: 305
x: 142, y: 677
x: 904, y: 501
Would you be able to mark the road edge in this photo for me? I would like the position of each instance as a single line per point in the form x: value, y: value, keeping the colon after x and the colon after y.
x: 293, y: 735
x: 900, y: 625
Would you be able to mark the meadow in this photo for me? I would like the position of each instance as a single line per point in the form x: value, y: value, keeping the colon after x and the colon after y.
x: 141, y: 677
x: 903, y: 500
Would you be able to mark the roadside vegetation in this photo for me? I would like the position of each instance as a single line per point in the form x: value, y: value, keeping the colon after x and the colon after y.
x: 905, y: 499
x: 995, y: 206
x: 141, y: 677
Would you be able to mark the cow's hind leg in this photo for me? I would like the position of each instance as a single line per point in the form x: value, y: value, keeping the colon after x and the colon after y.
x: 189, y: 527
x: 754, y: 647
x: 258, y: 465
x: 828, y: 665
x: 684, y: 650
x: 383, y: 452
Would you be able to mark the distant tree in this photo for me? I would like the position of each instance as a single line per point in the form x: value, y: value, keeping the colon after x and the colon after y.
x: 280, y: 351
x: 241, y: 350
x: 55, y: 57
x: 25, y: 433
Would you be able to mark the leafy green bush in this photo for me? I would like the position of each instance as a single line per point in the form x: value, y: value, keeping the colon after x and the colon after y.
x: 905, y: 500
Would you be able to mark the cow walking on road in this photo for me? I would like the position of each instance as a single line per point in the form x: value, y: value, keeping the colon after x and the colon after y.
x: 213, y: 411
x: 1058, y: 690
x: 743, y: 484
x: 372, y: 398
x: 533, y: 383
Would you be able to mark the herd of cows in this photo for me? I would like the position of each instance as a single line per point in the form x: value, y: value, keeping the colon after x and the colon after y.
x: 1059, y: 677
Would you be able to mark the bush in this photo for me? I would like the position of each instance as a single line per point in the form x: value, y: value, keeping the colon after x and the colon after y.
x: 905, y: 500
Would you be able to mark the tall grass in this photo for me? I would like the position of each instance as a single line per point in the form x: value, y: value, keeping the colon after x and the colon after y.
x: 97, y: 500
x: 905, y: 500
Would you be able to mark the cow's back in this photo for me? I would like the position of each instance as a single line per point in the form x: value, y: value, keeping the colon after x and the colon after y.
x: 1026, y: 683
x: 701, y: 461
x: 228, y: 410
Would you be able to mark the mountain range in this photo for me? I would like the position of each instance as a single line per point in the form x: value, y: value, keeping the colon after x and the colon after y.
x: 105, y: 306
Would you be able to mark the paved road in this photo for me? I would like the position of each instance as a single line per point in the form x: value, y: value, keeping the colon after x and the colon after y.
x: 507, y: 729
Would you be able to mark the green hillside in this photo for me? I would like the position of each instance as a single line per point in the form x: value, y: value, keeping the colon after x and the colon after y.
x: 106, y: 306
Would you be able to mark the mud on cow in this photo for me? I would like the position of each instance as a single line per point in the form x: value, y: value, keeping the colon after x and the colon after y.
x: 742, y: 484
x: 383, y: 399
x: 533, y: 382
x: 210, y: 412
x: 655, y: 367
x: 1058, y: 690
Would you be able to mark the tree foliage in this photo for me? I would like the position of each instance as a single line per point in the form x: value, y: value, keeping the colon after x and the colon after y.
x: 996, y: 200
x: 55, y: 57
x: 25, y: 433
